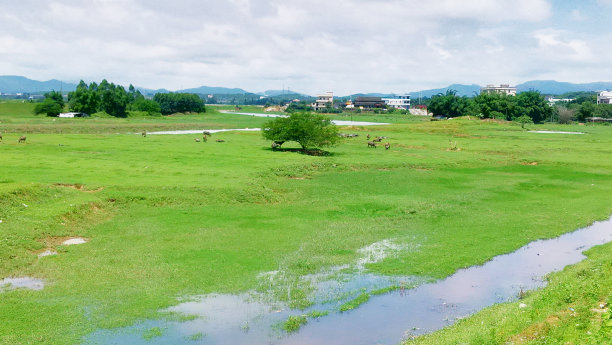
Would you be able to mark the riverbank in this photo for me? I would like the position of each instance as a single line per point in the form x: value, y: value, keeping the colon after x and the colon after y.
x: 573, y: 309
x: 166, y: 218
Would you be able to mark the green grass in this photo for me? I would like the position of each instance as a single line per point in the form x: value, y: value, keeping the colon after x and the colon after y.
x: 152, y: 333
x: 355, y: 302
x: 167, y: 217
x: 294, y: 322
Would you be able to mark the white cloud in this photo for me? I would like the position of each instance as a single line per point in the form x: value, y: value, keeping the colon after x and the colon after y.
x: 343, y: 45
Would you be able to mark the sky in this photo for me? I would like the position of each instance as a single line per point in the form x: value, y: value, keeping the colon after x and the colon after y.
x: 344, y: 46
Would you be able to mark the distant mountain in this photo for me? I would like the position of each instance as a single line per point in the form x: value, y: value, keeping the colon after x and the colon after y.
x: 462, y: 90
x: 207, y: 90
x: 150, y: 92
x: 19, y: 84
x: 371, y: 94
x: 272, y: 93
x: 552, y: 87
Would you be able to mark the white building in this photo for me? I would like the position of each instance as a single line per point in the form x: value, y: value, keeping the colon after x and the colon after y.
x: 73, y: 114
x: 604, y: 97
x: 323, y: 101
x: 398, y: 102
x: 503, y: 89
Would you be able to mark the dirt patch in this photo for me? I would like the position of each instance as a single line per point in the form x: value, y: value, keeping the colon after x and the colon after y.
x: 463, y: 135
x: 79, y: 187
x: 535, y: 331
x: 529, y: 163
x: 51, y: 242
x: 411, y: 147
x: 296, y: 178
x: 495, y: 121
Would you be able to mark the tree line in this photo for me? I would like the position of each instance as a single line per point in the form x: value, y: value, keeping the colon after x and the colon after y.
x: 116, y: 101
x: 493, y: 106
x: 530, y: 104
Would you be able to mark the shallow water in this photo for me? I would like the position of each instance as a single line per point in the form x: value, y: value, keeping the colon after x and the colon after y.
x: 21, y: 282
x: 385, y: 319
x: 555, y: 132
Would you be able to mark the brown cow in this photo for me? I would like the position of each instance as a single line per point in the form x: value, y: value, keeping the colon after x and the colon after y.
x: 204, y: 139
x: 144, y: 133
x: 22, y: 139
x: 371, y: 144
x: 387, y: 146
x: 0, y: 137
x: 377, y: 140
x: 220, y: 140
x: 197, y: 140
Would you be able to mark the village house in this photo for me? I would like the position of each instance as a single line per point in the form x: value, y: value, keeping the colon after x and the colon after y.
x: 323, y: 101
x: 604, y: 97
x: 398, y: 102
x: 503, y: 89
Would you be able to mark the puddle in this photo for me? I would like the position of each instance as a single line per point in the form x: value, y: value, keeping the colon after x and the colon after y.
x: 384, y: 319
x: 73, y: 241
x: 555, y: 132
x: 21, y: 282
x: 47, y: 252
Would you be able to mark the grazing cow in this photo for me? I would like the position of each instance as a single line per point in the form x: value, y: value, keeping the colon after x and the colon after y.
x: 220, y: 140
x: 144, y: 133
x: 204, y: 139
x: 371, y: 144
x: 206, y: 133
x: 197, y: 140
x: 275, y: 145
x: 377, y: 140
x: 22, y: 139
x: 387, y: 146
x: 368, y: 136
x: 0, y: 137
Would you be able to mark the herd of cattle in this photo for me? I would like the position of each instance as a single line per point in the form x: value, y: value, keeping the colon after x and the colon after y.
x: 205, y: 134
x: 371, y: 143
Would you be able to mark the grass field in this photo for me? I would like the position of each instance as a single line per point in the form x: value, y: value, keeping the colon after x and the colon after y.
x: 167, y: 217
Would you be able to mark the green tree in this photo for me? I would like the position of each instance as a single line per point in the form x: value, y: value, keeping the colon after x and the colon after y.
x: 148, y: 105
x: 84, y: 99
x: 179, y: 103
x: 52, y: 105
x: 523, y: 120
x: 533, y: 104
x: 113, y: 99
x: 449, y: 104
x: 587, y: 109
x: 307, y: 129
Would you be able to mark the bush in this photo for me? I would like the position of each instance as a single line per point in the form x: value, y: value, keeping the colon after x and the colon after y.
x: 149, y: 106
x: 307, y: 129
x: 566, y: 115
x: 171, y: 103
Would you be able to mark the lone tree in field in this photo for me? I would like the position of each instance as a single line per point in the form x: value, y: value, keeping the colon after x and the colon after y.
x: 523, y: 120
x: 307, y: 129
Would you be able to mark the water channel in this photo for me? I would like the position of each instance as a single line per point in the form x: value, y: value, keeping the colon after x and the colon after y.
x: 384, y: 319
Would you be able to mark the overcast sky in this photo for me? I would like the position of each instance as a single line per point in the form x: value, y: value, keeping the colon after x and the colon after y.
x: 345, y: 46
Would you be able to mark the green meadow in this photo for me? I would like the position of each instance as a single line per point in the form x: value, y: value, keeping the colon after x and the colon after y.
x: 166, y: 217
